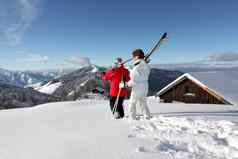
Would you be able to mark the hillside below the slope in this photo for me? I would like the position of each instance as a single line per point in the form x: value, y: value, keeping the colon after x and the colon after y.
x: 18, y: 97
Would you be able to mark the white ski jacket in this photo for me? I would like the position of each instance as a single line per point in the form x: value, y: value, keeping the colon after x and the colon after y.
x: 139, y: 76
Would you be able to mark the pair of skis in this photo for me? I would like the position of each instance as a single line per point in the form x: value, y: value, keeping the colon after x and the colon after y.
x: 147, y: 56
x: 157, y: 45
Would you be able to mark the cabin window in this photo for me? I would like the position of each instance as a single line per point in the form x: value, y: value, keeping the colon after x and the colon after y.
x: 186, y: 89
x: 187, y: 92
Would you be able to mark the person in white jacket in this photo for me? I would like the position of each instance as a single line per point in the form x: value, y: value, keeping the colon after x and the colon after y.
x: 139, y: 76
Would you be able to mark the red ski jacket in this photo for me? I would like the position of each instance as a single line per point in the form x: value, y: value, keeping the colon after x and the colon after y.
x: 115, y: 76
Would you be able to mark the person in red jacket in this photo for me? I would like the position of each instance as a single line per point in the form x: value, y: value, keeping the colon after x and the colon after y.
x: 115, y: 75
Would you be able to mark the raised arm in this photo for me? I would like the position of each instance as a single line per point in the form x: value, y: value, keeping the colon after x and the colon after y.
x: 107, y: 75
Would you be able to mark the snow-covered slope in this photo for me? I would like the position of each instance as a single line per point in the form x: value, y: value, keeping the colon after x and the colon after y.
x: 75, y: 84
x: 85, y: 129
x: 49, y: 88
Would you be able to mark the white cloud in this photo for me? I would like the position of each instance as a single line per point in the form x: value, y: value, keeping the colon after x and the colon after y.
x: 81, y: 61
x: 224, y: 57
x: 16, y: 16
x: 36, y: 58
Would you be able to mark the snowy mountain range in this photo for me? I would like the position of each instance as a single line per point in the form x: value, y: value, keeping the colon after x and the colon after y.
x: 72, y: 85
x: 23, y: 78
x: 80, y: 83
x: 16, y: 87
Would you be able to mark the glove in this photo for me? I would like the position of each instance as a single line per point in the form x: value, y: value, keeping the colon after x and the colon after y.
x: 122, y: 85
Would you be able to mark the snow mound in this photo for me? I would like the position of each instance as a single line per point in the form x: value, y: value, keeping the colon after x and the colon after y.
x: 187, y: 138
x: 49, y: 88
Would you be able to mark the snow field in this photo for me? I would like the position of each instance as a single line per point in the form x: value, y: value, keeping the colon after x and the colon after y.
x: 85, y: 129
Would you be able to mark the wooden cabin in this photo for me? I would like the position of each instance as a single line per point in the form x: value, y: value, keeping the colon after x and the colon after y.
x: 216, y: 87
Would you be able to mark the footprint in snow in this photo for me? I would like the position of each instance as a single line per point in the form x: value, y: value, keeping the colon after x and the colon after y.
x: 142, y: 149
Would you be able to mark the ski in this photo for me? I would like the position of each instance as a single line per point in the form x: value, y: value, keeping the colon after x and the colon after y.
x: 157, y: 45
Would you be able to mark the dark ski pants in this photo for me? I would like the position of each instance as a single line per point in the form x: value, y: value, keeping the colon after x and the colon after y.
x: 120, y: 109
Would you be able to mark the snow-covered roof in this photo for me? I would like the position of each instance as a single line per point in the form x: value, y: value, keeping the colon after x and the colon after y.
x: 222, y: 83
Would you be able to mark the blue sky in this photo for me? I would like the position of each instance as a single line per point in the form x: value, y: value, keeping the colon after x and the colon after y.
x: 41, y: 34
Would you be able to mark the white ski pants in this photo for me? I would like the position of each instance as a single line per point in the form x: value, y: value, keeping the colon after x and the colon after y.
x: 138, y: 98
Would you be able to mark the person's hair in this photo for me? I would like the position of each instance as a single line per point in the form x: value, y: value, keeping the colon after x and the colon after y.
x: 139, y: 53
x: 119, y: 60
